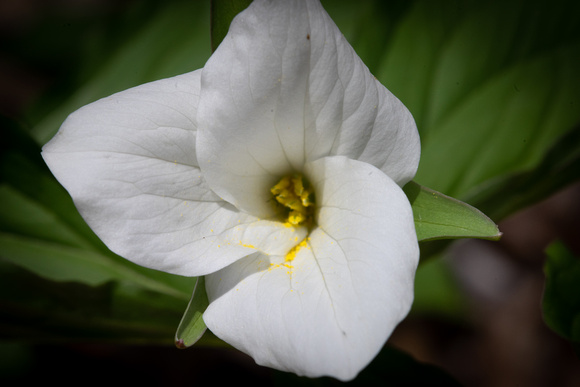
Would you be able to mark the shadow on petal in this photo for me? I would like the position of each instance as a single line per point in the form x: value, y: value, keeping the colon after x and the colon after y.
x: 228, y: 278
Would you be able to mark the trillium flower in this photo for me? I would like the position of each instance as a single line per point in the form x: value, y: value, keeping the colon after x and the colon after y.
x: 276, y: 172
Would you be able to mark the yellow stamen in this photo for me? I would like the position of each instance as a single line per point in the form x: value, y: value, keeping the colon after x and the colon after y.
x: 297, y: 198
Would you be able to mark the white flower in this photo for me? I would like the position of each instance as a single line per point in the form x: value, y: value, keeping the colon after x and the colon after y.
x: 196, y: 175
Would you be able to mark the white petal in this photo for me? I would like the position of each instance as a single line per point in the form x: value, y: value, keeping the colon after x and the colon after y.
x: 285, y: 88
x: 332, y: 311
x: 130, y: 165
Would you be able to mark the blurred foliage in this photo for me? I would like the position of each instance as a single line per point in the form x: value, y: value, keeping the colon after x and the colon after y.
x: 72, y: 282
x: 561, y: 303
x: 492, y: 86
x: 164, y: 39
x: 222, y: 13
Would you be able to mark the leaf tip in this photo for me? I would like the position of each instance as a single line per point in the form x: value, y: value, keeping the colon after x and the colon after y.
x: 180, y: 343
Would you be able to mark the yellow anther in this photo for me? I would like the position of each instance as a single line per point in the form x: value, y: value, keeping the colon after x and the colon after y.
x: 297, y: 197
x: 282, y: 184
x: 295, y: 218
x: 298, y: 186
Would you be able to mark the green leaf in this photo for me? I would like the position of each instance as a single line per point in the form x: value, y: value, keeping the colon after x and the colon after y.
x: 63, y: 263
x: 41, y: 230
x: 512, y: 192
x: 437, y: 291
x: 561, y: 301
x: 23, y: 215
x: 174, y: 40
x: 492, y: 87
x: 192, y: 326
x: 38, y: 309
x: 222, y: 14
x: 35, y: 308
x: 368, y: 25
x: 438, y: 216
x: 33, y: 202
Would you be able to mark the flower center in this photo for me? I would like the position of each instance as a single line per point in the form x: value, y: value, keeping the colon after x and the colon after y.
x: 296, y: 196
